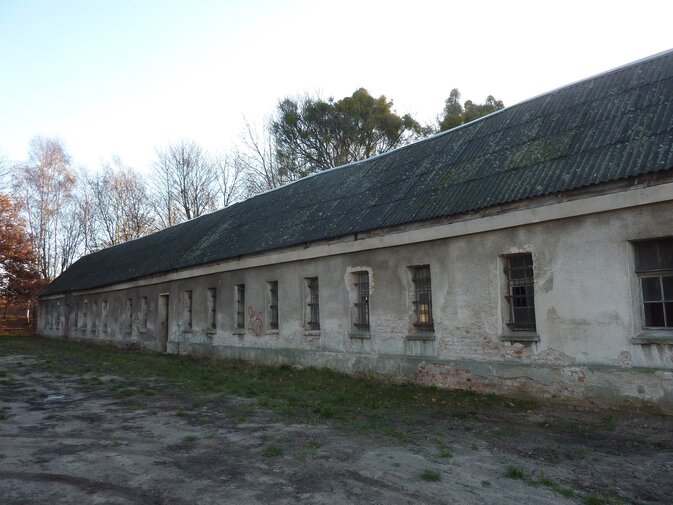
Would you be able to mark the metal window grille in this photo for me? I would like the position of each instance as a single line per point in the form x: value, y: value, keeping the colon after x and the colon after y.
x: 129, y: 314
x: 273, y: 306
x: 520, y: 292
x: 423, y: 298
x: 212, y: 304
x: 188, y: 310
x: 143, y: 313
x: 313, y: 322
x: 362, y: 302
x: 654, y: 266
x: 240, y: 306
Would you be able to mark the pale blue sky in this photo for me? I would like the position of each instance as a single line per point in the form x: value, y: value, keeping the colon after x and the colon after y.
x: 124, y: 77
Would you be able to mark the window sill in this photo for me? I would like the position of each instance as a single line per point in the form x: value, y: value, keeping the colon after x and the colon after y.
x: 359, y: 334
x: 312, y: 333
x: 654, y: 337
x: 211, y: 331
x: 271, y: 332
x: 524, y: 336
x: 238, y: 331
x: 421, y: 335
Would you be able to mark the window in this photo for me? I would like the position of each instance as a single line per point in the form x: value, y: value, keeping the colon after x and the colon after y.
x: 94, y: 317
x: 143, y: 313
x: 422, y: 298
x: 76, y: 322
x: 188, y: 310
x: 361, y: 319
x: 654, y: 267
x: 212, y: 304
x: 58, y: 315
x: 273, y: 305
x: 240, y: 306
x: 312, y: 304
x: 85, y: 309
x: 129, y: 315
x: 104, y: 316
x: 520, y: 297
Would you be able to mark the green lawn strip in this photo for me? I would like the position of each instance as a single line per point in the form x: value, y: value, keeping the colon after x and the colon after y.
x: 308, y: 394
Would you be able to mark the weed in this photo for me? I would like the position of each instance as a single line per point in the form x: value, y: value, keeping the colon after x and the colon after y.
x: 444, y: 453
x: 190, y: 439
x: 556, y: 486
x: 273, y: 450
x: 431, y: 475
x: 314, y: 444
x: 595, y: 498
x: 608, y: 423
x: 514, y: 472
x: 49, y: 417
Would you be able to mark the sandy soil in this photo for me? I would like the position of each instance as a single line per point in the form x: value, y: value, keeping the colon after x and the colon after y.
x: 63, y: 441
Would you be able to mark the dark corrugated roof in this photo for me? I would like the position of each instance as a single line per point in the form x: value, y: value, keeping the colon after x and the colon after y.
x: 612, y: 126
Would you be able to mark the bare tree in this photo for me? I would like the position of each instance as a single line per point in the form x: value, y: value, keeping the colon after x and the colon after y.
x: 44, y: 187
x: 229, y: 178
x: 256, y: 160
x: 5, y: 171
x: 185, y: 183
x: 114, y: 206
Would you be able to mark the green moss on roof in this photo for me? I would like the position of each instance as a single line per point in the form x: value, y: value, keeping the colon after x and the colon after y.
x: 609, y: 127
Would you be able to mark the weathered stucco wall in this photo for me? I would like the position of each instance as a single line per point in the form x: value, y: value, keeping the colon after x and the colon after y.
x: 586, y: 295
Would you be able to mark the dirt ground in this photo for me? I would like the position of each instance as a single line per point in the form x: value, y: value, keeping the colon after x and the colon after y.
x: 71, y: 440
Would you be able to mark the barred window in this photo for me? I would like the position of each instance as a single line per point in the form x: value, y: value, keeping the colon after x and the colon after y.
x: 104, y: 315
x: 313, y: 309
x: 188, y: 310
x: 85, y: 310
x: 212, y: 308
x: 240, y: 306
x: 93, y: 317
x: 654, y: 267
x: 143, y: 313
x: 273, y: 305
x: 520, y: 292
x: 129, y: 315
x: 362, y: 301
x: 422, y: 297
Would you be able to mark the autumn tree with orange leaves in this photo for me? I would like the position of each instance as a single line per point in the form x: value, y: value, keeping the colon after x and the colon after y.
x: 20, y: 280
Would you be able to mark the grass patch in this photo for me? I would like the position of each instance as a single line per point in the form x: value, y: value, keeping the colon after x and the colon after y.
x: 556, y: 486
x: 595, y: 498
x: 311, y: 395
x: 190, y: 439
x: 273, y: 451
x: 514, y: 472
x: 314, y: 444
x: 431, y: 475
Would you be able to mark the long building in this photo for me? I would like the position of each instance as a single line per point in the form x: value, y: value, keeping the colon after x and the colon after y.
x: 528, y: 253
